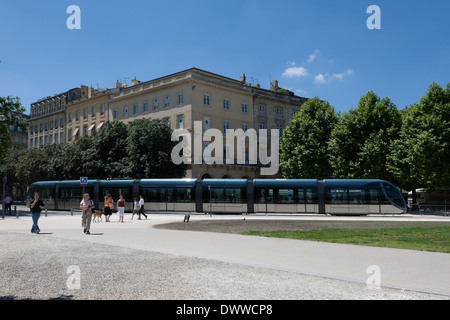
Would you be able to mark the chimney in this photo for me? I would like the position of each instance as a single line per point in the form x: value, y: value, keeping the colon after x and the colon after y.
x: 274, y: 85
x: 118, y: 84
x: 90, y: 92
x: 135, y: 82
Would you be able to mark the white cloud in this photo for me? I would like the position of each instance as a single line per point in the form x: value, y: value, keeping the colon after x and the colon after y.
x: 292, y: 72
x: 326, y: 78
x: 313, y: 56
x: 320, y: 78
x: 301, y: 91
x: 341, y: 76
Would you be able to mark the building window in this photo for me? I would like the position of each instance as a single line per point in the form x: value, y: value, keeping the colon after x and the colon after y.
x: 180, y: 122
x: 85, y: 130
x: 78, y: 116
x: 206, y: 123
x: 155, y: 104
x: 167, y: 121
x: 135, y: 109
x: 116, y: 115
x: 262, y: 125
x: 226, y: 104
x: 262, y: 108
x: 166, y: 102
x: 280, y: 130
x: 125, y: 112
x: 70, y: 135
x: 145, y: 107
x: 94, y: 112
x: 244, y: 108
x: 102, y: 111
x: 226, y: 126
x: 85, y: 113
x: 206, y: 100
x: 244, y: 127
x: 180, y: 99
x: 279, y: 112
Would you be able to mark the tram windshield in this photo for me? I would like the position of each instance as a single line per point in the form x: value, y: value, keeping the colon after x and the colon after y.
x: 394, y: 195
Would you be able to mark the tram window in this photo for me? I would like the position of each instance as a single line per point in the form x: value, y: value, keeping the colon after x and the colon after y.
x: 393, y: 194
x: 72, y: 194
x: 234, y: 195
x: 372, y: 196
x: 311, y: 195
x: 217, y: 195
x: 301, y: 196
x: 270, y: 197
x: 260, y: 195
x: 164, y: 194
x: 285, y: 196
x: 355, y: 196
x: 183, y: 195
x: 336, y: 196
x: 116, y: 192
x: 150, y: 194
x: 46, y: 194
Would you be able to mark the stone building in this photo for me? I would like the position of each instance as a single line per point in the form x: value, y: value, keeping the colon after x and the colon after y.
x: 180, y: 100
x: 48, y: 118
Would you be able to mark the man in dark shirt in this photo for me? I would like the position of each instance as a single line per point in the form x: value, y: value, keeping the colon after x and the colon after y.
x: 36, y: 207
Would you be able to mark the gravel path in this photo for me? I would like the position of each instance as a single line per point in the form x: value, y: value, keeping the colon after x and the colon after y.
x: 35, y: 267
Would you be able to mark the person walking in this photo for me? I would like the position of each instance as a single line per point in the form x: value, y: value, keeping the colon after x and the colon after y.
x: 121, y: 207
x: 135, y: 208
x: 87, y: 206
x: 141, y: 207
x: 8, y: 203
x: 36, y: 207
x: 109, y: 205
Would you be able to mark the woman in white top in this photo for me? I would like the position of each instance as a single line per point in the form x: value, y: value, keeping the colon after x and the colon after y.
x: 87, y: 206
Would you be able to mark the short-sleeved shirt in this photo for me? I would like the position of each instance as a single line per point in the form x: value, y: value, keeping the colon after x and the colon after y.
x: 37, y: 206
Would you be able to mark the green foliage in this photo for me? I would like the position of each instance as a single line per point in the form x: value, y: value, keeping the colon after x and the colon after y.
x: 421, y: 154
x: 9, y: 106
x: 149, y: 149
x: 304, y: 145
x: 361, y: 140
x: 140, y: 150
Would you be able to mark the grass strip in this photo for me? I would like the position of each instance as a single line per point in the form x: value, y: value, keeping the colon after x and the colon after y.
x: 434, y: 239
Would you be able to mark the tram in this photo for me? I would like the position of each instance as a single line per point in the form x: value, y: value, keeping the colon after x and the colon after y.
x: 334, y: 197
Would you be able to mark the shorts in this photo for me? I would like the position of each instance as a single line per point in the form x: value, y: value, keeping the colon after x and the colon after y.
x: 121, y: 211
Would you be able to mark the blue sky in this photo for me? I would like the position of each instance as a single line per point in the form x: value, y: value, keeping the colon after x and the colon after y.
x: 314, y: 48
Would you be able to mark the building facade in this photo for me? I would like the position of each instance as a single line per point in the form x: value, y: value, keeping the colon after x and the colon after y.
x: 48, y: 118
x: 19, y: 137
x: 181, y: 100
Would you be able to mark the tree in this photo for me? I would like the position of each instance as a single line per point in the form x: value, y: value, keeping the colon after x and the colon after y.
x: 304, y: 145
x: 101, y: 153
x: 361, y: 140
x: 9, y: 107
x: 420, y: 157
x: 148, y: 151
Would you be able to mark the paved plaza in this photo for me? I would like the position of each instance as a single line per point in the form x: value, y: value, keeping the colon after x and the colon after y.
x: 134, y: 260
